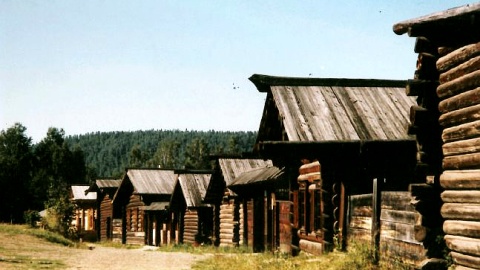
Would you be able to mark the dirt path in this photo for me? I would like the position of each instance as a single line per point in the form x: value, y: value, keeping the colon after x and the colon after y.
x: 28, y: 252
x: 146, y: 258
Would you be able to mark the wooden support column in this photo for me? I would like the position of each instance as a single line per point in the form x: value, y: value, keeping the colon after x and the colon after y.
x: 376, y: 207
x: 269, y: 222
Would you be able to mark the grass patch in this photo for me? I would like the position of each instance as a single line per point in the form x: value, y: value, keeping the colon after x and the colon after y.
x: 27, y: 262
x: 358, y: 257
x: 39, y: 233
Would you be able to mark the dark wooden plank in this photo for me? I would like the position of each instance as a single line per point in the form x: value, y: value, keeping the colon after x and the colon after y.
x: 420, y: 87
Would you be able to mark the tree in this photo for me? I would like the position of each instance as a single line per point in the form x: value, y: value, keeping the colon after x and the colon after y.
x: 167, y: 154
x: 57, y: 168
x: 197, y: 154
x: 15, y: 173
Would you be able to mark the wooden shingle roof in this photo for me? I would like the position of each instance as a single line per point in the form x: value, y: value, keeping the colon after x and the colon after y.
x: 194, y: 187
x: 233, y: 167
x: 257, y: 175
x: 322, y: 110
x: 79, y: 194
x: 151, y: 181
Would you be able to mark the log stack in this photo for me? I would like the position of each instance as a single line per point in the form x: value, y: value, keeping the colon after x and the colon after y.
x: 452, y: 39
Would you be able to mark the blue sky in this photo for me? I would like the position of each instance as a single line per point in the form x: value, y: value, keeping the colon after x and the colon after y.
x: 110, y: 65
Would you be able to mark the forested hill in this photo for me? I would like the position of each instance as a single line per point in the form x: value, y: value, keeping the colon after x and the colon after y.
x: 109, y: 153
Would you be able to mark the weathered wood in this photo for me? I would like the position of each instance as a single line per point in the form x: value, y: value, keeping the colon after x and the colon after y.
x: 398, y: 216
x: 364, y: 223
x: 461, y: 196
x: 460, y: 179
x: 404, y: 26
x: 466, y: 161
x: 462, y: 228
x: 461, y: 132
x: 465, y: 260
x: 461, y: 211
x: 420, y: 87
x: 398, y: 200
x: 311, y: 247
x: 423, y: 45
x: 460, y: 117
x: 310, y: 168
x: 463, y: 69
x: 310, y: 177
x: 408, y: 253
x: 420, y: 233
x: 420, y: 116
x: 458, y: 57
x: 463, y: 100
x: 459, y: 85
x: 362, y: 211
x: 461, y: 147
x: 376, y: 206
x: 398, y: 231
x: 433, y: 264
x: 462, y: 244
x: 460, y: 267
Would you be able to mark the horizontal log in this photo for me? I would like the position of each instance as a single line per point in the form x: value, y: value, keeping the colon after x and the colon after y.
x: 465, y: 260
x: 310, y: 168
x: 457, y: 57
x: 423, y: 45
x: 226, y: 217
x: 466, y: 161
x: 364, y: 223
x: 226, y: 225
x: 467, y: 67
x: 460, y: 179
x: 461, y: 132
x: 420, y: 116
x: 420, y: 233
x: 461, y: 196
x: 459, y: 85
x: 421, y: 87
x: 460, y: 267
x: 460, y: 117
x: 462, y: 228
x: 465, y: 245
x: 397, y: 231
x: 310, y: 177
x: 311, y: 247
x: 463, y: 100
x: 362, y: 211
x: 398, y: 200
x: 461, y: 147
x: 461, y: 211
x: 191, y: 231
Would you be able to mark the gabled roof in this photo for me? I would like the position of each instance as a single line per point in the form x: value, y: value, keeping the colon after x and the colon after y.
x: 257, y: 175
x: 194, y: 187
x: 232, y: 168
x: 78, y: 193
x: 151, y: 181
x: 444, y: 27
x: 108, y: 183
x: 315, y: 109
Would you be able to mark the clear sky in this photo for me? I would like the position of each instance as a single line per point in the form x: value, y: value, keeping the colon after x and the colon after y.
x: 110, y: 65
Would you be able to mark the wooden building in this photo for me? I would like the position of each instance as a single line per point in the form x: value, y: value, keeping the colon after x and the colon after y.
x: 446, y: 120
x: 85, y: 210
x: 141, y: 198
x: 192, y: 219
x: 228, y: 209
x: 108, y: 221
x: 338, y: 138
x: 258, y: 190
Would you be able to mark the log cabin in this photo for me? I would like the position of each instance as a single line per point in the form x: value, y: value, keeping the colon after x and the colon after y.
x: 263, y: 191
x: 142, y: 197
x: 228, y: 209
x: 446, y: 84
x: 192, y: 219
x: 339, y: 138
x: 108, y: 221
x: 85, y: 211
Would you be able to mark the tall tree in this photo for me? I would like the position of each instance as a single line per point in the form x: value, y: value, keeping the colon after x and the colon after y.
x: 57, y: 168
x: 197, y: 154
x: 15, y: 173
x: 167, y: 154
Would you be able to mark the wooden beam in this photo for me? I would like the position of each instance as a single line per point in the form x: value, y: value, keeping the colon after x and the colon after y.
x: 460, y: 70
x: 458, y: 57
x: 460, y: 179
x: 461, y: 211
x: 462, y: 162
x: 463, y: 100
x: 461, y: 196
x: 460, y: 117
x: 463, y: 244
x: 459, y: 85
x: 377, y: 208
x: 420, y: 87
x: 461, y: 132
x: 461, y: 147
x: 403, y: 27
x: 465, y: 260
x: 423, y: 45
x: 462, y: 228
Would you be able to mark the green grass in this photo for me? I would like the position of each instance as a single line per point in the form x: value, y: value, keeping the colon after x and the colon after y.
x: 39, y: 233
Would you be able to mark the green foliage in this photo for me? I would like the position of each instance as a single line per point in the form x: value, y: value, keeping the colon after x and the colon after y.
x: 31, y: 218
x: 109, y: 153
x: 16, y: 159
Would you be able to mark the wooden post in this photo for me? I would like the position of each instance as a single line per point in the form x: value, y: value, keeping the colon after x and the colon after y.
x: 124, y: 225
x: 376, y: 207
x: 269, y: 222
x: 341, y: 219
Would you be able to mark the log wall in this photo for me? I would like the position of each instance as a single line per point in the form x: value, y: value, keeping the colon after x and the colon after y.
x: 190, y: 229
x: 459, y: 92
x: 230, y: 224
x: 398, y: 218
x: 135, y: 222
x: 106, y: 218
